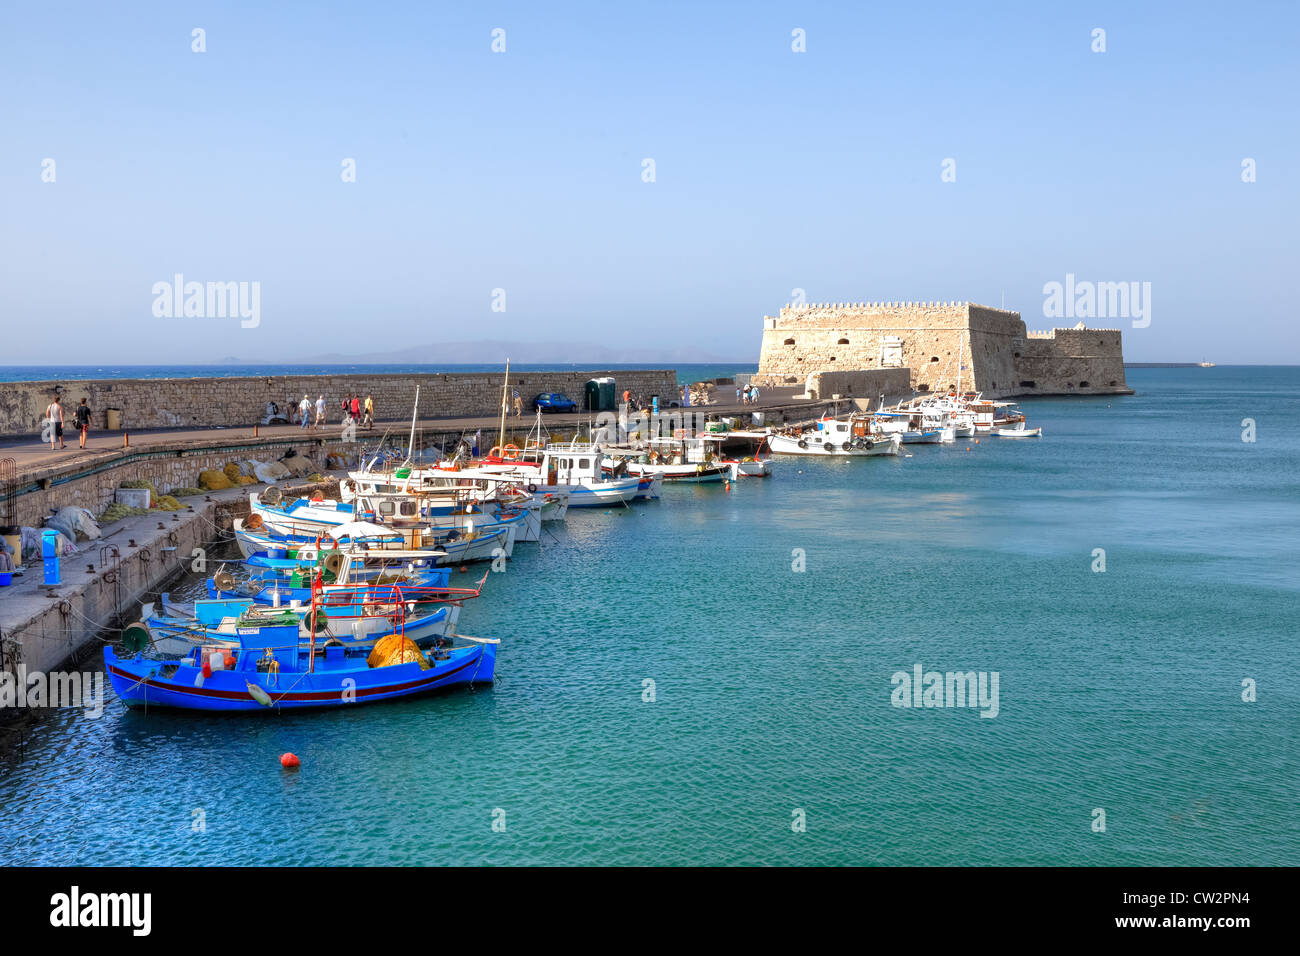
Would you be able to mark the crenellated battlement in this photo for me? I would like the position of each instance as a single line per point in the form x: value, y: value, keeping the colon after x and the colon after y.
x: 943, y: 344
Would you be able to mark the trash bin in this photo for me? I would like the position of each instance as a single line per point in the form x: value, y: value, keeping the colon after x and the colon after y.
x: 50, y: 556
x: 113, y: 419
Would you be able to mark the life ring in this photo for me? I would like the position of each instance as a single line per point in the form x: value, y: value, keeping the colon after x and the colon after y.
x: 495, y: 452
x: 325, y: 547
x: 532, y: 488
x: 510, y: 451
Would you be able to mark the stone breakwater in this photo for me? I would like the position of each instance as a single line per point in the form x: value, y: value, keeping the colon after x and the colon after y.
x: 202, y: 402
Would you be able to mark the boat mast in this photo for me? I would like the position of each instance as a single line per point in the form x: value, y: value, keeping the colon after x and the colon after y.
x: 410, y: 445
x: 961, y: 341
x: 505, y: 386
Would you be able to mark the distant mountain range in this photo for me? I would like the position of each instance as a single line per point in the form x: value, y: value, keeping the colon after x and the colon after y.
x: 532, y: 353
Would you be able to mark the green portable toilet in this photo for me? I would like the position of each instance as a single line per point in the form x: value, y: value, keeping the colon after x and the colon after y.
x: 591, y: 395
x: 608, y: 400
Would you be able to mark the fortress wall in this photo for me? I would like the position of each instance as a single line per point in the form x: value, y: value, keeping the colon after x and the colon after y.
x: 850, y: 336
x: 202, y: 402
x: 934, y: 335
x: 1065, y: 361
x: 865, y: 383
x: 995, y: 335
x: 928, y: 337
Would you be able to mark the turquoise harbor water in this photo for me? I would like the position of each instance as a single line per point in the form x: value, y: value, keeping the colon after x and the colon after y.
x: 1118, y: 690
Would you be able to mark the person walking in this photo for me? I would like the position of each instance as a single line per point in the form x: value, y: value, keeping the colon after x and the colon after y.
x: 519, y: 404
x: 54, y: 422
x: 356, y: 408
x: 83, y: 420
x: 347, y: 407
x: 320, y: 412
x: 370, y: 411
x: 304, y: 410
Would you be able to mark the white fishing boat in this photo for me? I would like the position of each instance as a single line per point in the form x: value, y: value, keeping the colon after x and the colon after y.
x: 679, y: 459
x: 575, y: 468
x: 836, y: 438
x: 1019, y: 431
x: 749, y: 467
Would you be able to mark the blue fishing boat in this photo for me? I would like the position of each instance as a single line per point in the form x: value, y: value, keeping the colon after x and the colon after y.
x: 351, y: 615
x: 269, y: 670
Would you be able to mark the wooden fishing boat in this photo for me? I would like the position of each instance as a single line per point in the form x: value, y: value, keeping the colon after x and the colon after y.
x: 836, y: 438
x: 1020, y: 431
x: 266, y: 669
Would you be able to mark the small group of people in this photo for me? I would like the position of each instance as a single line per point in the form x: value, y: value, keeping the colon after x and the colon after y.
x: 747, y: 394
x: 354, y: 411
x: 52, y: 424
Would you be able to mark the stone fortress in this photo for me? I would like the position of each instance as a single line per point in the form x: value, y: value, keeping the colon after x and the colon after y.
x: 841, y: 348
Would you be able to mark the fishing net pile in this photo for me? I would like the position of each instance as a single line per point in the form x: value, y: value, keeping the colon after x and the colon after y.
x: 396, y: 649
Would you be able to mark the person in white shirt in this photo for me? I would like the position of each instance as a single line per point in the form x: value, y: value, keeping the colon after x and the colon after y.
x: 320, y: 411
x: 54, y: 422
x: 304, y: 410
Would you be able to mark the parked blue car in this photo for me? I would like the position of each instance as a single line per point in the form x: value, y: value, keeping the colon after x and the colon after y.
x: 554, y: 402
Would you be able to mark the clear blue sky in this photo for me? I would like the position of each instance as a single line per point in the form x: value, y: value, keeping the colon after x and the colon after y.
x: 522, y: 170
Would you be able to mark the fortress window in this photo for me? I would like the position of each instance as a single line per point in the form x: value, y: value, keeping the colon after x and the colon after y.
x: 934, y: 358
x: 832, y: 358
x: 1112, y: 383
x: 842, y: 342
x: 1027, y: 385
x: 1016, y: 354
x: 789, y: 341
x: 1083, y: 384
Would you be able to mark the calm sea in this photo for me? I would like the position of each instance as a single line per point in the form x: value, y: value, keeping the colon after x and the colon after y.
x: 1119, y: 690
x: 53, y: 373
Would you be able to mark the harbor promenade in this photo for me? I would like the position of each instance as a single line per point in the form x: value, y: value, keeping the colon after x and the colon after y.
x: 34, y: 460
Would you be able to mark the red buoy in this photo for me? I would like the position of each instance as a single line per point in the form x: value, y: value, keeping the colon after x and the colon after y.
x: 463, y: 568
x: 289, y: 761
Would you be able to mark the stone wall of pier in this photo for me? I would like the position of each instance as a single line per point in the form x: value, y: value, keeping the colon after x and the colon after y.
x: 167, y: 469
x: 203, y: 402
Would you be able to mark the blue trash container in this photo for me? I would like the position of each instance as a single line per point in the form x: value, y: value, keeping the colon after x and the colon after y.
x: 50, y: 556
